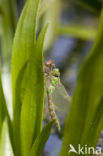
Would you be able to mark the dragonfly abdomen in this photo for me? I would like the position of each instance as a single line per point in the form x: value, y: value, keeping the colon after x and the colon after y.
x: 52, y: 111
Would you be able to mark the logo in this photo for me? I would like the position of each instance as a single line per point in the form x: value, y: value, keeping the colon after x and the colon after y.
x: 84, y: 150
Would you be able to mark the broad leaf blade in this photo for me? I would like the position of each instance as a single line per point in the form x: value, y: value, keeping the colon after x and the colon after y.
x: 7, y: 26
x: 23, y: 47
x: 86, y: 99
x: 37, y: 148
x: 96, y: 126
x: 24, y: 40
x: 17, y: 111
x: 40, y: 81
x: 32, y: 107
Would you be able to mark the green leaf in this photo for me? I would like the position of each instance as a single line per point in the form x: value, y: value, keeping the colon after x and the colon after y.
x: 7, y: 26
x: 52, y: 15
x: 86, y: 102
x: 38, y: 146
x: 16, y: 114
x: 2, y: 103
x: 96, y: 126
x: 47, y: 5
x: 90, y: 5
x: 79, y: 31
x: 25, y: 38
x: 32, y: 107
x: 3, y: 109
x: 40, y: 79
x: 5, y: 145
x: 27, y: 48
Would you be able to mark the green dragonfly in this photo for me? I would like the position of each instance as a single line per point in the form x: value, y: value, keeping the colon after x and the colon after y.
x: 57, y: 97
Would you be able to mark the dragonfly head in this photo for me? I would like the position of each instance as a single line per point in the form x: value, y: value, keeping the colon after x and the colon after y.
x: 49, y: 66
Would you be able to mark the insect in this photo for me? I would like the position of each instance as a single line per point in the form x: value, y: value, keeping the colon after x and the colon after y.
x: 53, y: 85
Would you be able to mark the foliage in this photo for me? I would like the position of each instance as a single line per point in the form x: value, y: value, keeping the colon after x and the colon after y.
x: 27, y: 75
x: 85, y: 120
x: 91, y: 5
x: 5, y: 141
x: 2, y: 105
x: 7, y: 25
x: 78, y: 31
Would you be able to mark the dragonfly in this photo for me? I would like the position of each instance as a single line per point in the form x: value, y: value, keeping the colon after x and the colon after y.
x: 57, y: 98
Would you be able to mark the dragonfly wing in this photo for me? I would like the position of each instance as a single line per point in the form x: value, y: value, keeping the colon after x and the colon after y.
x: 46, y: 111
x: 61, y: 100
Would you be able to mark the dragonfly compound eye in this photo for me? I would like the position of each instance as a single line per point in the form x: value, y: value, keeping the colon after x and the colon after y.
x: 50, y: 63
